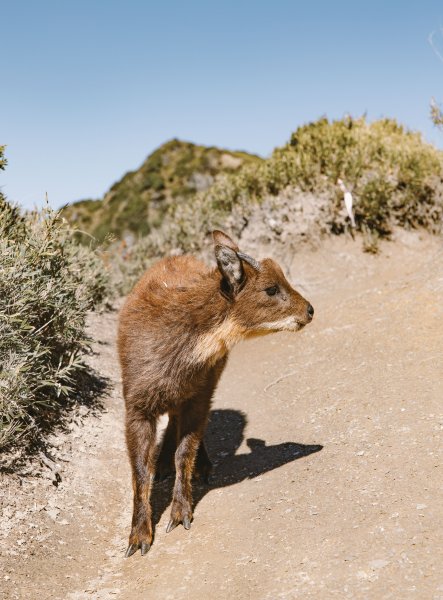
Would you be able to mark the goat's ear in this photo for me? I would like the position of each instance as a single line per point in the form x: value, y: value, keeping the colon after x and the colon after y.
x: 221, y: 239
x: 229, y: 264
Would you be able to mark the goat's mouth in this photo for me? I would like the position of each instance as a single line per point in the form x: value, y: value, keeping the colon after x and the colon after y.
x: 290, y: 325
x: 297, y: 326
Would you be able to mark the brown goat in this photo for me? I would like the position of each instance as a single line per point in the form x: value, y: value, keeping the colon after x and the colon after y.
x: 176, y: 329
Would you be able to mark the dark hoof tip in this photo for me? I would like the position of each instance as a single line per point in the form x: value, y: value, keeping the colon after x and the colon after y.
x: 145, y: 548
x: 171, y: 525
x: 187, y: 523
x: 132, y: 548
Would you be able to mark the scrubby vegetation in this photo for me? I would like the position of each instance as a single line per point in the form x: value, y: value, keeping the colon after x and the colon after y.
x: 137, y: 203
x: 396, y: 180
x: 395, y: 177
x: 48, y: 283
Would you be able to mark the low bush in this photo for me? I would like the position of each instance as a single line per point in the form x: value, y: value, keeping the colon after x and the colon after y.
x: 395, y: 177
x: 48, y: 283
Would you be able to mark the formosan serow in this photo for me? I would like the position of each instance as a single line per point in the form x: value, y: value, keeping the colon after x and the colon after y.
x: 175, y: 333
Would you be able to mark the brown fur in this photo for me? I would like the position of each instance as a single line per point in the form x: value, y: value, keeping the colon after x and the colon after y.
x: 176, y: 329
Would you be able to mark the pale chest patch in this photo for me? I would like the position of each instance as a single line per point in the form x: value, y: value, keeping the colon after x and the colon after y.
x: 212, y: 346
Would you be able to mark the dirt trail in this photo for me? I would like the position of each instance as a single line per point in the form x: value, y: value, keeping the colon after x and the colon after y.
x: 326, y: 443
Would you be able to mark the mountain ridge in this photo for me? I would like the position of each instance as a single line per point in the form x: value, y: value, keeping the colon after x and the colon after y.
x: 137, y: 203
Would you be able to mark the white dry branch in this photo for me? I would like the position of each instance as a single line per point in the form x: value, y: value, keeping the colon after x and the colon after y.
x: 347, y: 197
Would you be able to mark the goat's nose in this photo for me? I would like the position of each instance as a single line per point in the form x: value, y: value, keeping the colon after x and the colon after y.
x: 310, y: 311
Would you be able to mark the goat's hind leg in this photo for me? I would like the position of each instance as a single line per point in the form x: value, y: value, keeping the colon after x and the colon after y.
x: 165, y: 461
x: 140, y: 439
x: 191, y: 427
x: 203, y: 464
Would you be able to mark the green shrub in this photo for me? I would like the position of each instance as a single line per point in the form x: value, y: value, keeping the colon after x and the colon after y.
x: 395, y: 177
x: 48, y: 283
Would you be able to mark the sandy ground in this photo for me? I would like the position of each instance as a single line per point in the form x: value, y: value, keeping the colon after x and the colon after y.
x: 326, y: 443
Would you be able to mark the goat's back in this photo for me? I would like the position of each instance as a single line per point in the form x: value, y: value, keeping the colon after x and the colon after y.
x: 171, y: 273
x: 174, y: 302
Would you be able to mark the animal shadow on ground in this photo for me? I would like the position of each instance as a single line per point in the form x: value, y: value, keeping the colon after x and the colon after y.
x: 223, y: 437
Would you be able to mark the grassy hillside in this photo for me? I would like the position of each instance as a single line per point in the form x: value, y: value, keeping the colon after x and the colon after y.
x: 139, y: 201
x: 182, y: 191
x: 396, y: 179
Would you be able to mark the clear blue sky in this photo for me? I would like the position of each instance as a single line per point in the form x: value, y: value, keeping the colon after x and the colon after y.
x: 89, y: 88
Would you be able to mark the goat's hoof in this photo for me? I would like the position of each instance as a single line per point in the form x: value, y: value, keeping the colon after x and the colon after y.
x: 173, y: 524
x: 132, y: 548
x: 145, y: 548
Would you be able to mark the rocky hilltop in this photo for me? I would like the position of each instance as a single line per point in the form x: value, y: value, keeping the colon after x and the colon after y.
x: 137, y: 203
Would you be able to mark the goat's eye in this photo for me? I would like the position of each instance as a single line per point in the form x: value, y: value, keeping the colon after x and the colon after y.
x: 271, y: 291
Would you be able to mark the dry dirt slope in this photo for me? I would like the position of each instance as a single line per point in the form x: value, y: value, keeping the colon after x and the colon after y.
x: 327, y: 444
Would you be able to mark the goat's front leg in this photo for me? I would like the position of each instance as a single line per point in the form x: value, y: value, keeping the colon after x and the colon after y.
x: 191, y: 427
x: 140, y: 439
